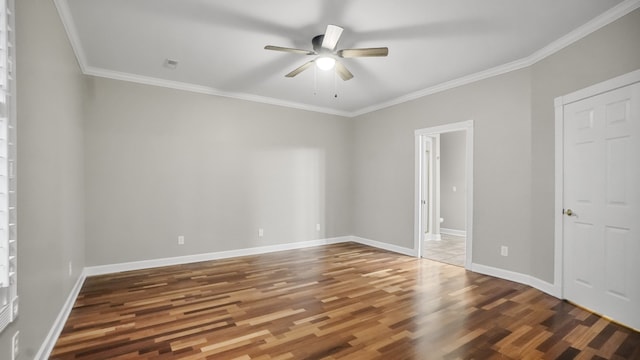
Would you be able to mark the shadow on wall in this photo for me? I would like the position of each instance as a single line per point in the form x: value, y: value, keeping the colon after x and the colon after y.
x: 286, y: 195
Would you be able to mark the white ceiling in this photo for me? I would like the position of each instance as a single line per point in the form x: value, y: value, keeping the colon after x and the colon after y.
x: 220, y: 44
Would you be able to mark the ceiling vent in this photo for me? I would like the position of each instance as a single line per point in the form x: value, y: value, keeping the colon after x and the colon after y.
x: 171, y: 64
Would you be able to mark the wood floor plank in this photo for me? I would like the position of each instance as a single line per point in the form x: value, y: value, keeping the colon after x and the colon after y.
x: 343, y: 301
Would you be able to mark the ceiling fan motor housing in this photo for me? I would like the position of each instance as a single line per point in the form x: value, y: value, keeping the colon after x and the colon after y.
x: 317, y: 43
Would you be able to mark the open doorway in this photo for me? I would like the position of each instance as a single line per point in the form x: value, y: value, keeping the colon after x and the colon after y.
x: 444, y: 193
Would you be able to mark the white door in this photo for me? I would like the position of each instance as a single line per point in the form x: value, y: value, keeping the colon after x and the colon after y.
x: 601, y: 226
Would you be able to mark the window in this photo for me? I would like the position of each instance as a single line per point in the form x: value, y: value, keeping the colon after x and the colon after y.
x: 8, y: 184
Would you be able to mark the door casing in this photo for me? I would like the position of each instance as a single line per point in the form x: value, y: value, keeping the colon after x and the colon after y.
x: 431, y: 132
x: 600, y: 88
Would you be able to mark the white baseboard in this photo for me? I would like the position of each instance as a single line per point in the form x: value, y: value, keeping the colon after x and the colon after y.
x: 56, y: 329
x: 58, y: 324
x: 384, y: 246
x: 453, y: 232
x: 178, y: 260
x: 534, y: 282
x: 433, y: 237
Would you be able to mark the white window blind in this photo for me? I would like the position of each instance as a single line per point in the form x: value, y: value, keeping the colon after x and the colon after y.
x: 8, y: 184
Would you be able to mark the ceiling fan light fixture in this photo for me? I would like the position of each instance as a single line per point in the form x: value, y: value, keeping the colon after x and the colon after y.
x: 325, y: 63
x: 326, y: 55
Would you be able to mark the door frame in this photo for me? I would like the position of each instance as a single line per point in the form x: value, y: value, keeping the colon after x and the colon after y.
x: 560, y: 102
x: 420, y: 134
x: 428, y: 143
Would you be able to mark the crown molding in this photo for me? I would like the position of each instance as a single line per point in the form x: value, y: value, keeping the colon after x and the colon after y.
x: 148, y: 80
x: 465, y: 80
x: 593, y: 25
x: 596, y: 23
x: 72, y: 33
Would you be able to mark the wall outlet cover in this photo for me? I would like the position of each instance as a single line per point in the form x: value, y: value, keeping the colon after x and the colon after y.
x: 504, y: 251
x: 15, y: 346
x: 14, y: 309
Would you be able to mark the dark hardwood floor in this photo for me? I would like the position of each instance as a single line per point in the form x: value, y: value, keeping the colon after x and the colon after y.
x: 345, y: 301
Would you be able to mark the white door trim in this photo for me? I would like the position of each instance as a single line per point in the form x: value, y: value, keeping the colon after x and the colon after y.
x: 467, y: 126
x: 432, y: 188
x: 605, y: 86
x: 427, y: 193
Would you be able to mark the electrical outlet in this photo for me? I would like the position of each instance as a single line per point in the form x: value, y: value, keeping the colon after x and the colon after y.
x: 15, y: 346
x: 317, y: 227
x: 504, y: 250
x: 260, y: 232
x: 70, y: 268
x: 14, y: 309
x: 181, y: 240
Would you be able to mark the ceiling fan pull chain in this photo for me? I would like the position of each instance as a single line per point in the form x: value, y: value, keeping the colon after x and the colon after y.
x: 315, y: 81
x: 335, y: 84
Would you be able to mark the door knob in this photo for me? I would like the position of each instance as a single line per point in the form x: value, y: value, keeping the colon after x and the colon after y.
x: 569, y: 212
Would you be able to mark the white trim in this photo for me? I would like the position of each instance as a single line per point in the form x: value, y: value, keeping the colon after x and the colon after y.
x: 51, y: 338
x: 598, y: 22
x: 559, y: 102
x: 147, y: 80
x: 461, y: 125
x: 72, y: 33
x: 384, y: 246
x: 58, y: 324
x: 47, y: 346
x: 179, y: 260
x: 602, y: 87
x: 453, y: 232
x: 593, y: 25
x: 517, y: 277
x: 432, y: 237
x: 465, y: 80
x: 467, y: 126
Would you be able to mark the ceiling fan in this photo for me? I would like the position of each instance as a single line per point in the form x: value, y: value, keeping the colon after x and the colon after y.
x: 325, y: 47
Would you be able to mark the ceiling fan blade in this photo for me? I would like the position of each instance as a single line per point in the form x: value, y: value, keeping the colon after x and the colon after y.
x: 365, y: 52
x: 290, y: 50
x: 331, y: 37
x: 342, y: 70
x: 300, y: 69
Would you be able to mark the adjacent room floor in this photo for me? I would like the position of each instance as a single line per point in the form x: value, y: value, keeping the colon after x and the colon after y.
x: 450, y: 250
x: 342, y: 301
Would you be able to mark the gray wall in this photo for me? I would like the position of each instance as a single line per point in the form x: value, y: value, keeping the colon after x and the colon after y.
x: 385, y: 176
x: 50, y: 173
x: 452, y: 174
x: 162, y: 163
x: 609, y: 52
x: 514, y: 151
x: 158, y: 163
